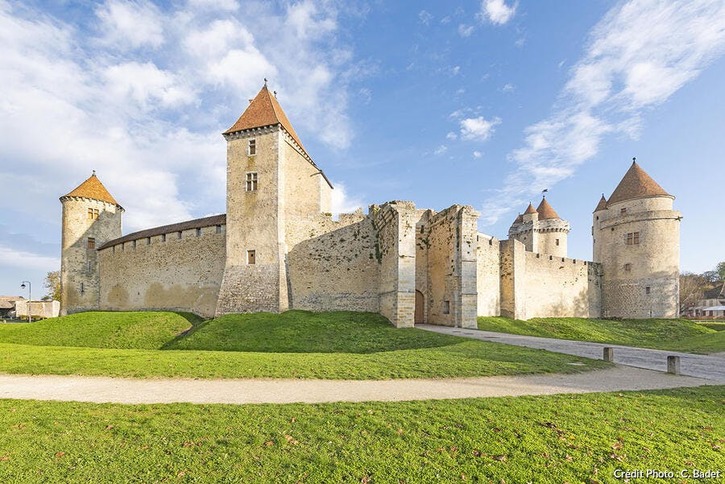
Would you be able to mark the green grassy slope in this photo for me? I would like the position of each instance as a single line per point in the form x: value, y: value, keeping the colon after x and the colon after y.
x: 670, y: 334
x: 307, y: 332
x: 562, y: 438
x: 140, y: 330
x: 297, y: 344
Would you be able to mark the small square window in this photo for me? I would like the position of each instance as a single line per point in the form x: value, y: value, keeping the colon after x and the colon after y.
x: 623, y: 211
x: 252, y: 147
x: 627, y: 267
x: 91, y: 243
x: 218, y: 229
x: 251, y: 257
x: 251, y: 182
x: 647, y: 290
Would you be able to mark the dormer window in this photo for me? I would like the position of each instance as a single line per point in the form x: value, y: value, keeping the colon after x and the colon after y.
x: 252, y: 147
x: 251, y: 182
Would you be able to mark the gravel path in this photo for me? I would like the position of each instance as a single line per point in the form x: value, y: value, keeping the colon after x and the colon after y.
x: 711, y: 367
x: 121, y: 390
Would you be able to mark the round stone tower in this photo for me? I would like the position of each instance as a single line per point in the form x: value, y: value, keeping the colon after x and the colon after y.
x: 541, y: 230
x: 91, y: 217
x: 637, y: 240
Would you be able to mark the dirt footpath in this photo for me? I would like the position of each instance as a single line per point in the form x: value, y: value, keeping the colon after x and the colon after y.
x: 131, y: 391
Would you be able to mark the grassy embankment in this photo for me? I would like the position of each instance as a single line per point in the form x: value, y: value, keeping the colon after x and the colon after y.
x: 565, y: 438
x: 665, y: 334
x: 296, y: 344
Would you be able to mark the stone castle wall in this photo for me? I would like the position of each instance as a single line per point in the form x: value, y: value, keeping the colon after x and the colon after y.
x: 540, y: 285
x: 488, y: 275
x: 178, y: 271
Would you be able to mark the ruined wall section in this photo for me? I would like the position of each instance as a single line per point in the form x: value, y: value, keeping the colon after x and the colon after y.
x: 488, y: 275
x: 451, y: 292
x: 395, y: 223
x: 336, y: 267
x: 176, y: 271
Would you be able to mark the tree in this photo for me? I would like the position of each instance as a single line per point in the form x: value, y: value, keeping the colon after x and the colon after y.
x: 692, y: 289
x: 52, y: 284
x: 720, y: 269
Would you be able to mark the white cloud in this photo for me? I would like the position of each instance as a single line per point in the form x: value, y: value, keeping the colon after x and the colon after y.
x: 465, y: 30
x: 131, y: 24
x: 440, y: 150
x: 451, y: 135
x: 478, y: 128
x: 21, y: 259
x: 497, y: 11
x: 508, y: 87
x: 425, y: 17
x: 341, y: 202
x: 637, y: 57
x: 477, y: 154
x: 224, y: 5
x: 144, y: 83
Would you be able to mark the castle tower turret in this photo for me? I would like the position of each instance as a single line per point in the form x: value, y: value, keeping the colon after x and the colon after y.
x: 272, y: 185
x: 552, y: 231
x: 91, y: 217
x: 637, y: 241
x: 541, y: 230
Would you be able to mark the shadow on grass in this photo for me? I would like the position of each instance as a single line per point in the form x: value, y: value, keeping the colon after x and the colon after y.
x: 306, y: 332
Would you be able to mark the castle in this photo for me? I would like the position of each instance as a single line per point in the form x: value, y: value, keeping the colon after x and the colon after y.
x: 278, y: 248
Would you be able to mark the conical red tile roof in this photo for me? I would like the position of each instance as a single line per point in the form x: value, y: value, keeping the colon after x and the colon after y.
x: 92, y: 188
x: 530, y: 209
x: 602, y: 204
x: 636, y: 183
x: 264, y: 110
x: 546, y: 211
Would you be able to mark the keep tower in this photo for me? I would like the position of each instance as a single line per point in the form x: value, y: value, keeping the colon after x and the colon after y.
x: 273, y: 188
x: 91, y: 217
x: 541, y: 230
x: 637, y: 241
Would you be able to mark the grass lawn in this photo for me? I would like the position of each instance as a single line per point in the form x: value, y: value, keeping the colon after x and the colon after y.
x: 296, y: 344
x: 567, y: 438
x: 665, y: 334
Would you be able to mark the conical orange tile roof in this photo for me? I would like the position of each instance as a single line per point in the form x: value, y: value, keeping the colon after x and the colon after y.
x: 602, y: 204
x: 92, y: 188
x: 546, y: 211
x: 530, y: 209
x: 636, y: 183
x: 264, y: 110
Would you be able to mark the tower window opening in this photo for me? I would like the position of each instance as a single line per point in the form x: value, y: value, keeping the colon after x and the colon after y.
x: 446, y: 307
x: 623, y: 211
x: 557, y: 242
x: 134, y: 245
x: 93, y: 213
x: 628, y: 267
x: 251, y: 184
x: 251, y: 257
x: 632, y: 238
x: 252, y: 147
x: 148, y: 240
x: 218, y: 229
x: 647, y: 290
x: 179, y: 234
x: 198, y: 232
x: 91, y: 243
x: 163, y: 237
x: 83, y: 289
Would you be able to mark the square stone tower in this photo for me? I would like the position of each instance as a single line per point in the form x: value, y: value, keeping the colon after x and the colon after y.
x: 273, y: 186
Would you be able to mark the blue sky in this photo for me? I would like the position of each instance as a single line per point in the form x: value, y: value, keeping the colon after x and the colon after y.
x: 474, y: 102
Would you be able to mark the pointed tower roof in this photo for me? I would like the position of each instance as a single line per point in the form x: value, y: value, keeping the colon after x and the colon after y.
x: 530, y: 209
x: 636, y: 183
x: 519, y: 219
x: 546, y: 211
x: 92, y: 188
x: 264, y: 110
x: 602, y: 205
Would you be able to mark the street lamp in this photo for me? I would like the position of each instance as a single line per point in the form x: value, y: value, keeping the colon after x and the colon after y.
x: 30, y: 298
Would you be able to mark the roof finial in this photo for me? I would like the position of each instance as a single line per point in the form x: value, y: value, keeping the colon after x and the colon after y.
x: 634, y: 160
x: 275, y: 93
x: 94, y: 173
x: 265, y: 82
x: 544, y: 191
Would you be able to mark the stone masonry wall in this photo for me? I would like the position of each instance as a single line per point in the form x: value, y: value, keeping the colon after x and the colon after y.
x: 335, y: 270
x: 181, y: 273
x: 488, y: 276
